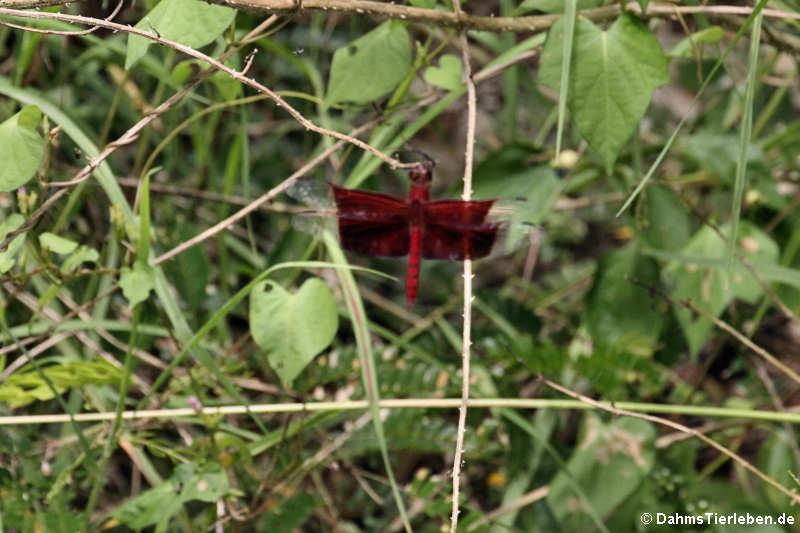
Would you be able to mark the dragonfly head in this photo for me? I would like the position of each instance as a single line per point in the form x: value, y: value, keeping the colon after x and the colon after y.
x: 420, y: 175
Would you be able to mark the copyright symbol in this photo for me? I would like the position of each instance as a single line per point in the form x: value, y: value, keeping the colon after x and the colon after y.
x: 646, y: 518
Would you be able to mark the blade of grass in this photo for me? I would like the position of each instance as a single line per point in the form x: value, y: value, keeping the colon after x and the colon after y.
x: 566, y: 61
x: 745, y: 131
x: 359, y: 320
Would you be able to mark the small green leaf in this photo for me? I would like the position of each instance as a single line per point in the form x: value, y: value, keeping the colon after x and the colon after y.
x: 612, y: 79
x: 371, y: 66
x: 83, y: 254
x: 292, y: 328
x: 710, y: 35
x: 54, y: 243
x: 29, y: 117
x: 228, y: 87
x: 137, y: 283
x: 7, y: 256
x: 181, y: 72
x: 447, y: 75
x: 21, y: 148
x: 190, y: 22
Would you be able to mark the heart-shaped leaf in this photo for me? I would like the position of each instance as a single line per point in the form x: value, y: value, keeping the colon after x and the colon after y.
x: 21, y: 148
x: 137, y: 283
x: 447, y: 75
x: 292, y: 328
x: 612, y: 77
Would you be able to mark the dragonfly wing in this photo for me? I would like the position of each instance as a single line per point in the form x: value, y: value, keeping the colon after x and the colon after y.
x: 371, y: 223
x: 457, y: 230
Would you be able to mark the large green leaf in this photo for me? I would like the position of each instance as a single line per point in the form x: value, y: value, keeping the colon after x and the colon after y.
x: 704, y: 282
x: 292, y: 328
x: 611, y: 461
x: 371, y: 66
x: 190, y: 22
x: 619, y: 312
x: 21, y: 148
x: 612, y: 78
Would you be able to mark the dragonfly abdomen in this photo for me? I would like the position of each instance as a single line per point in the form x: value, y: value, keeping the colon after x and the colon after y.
x: 412, y: 274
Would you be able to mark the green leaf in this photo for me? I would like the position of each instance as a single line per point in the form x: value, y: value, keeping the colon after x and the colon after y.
x: 136, y: 283
x: 190, y: 22
x: 447, y: 75
x: 668, y: 226
x: 21, y: 148
x: 619, y: 312
x: 189, y: 482
x: 54, y: 243
x: 371, y: 66
x: 717, y: 153
x: 776, y: 459
x: 7, y: 256
x: 23, y: 388
x: 291, y: 514
x: 704, y: 281
x: 621, y: 451
x: 612, y: 79
x: 83, y: 254
x: 710, y: 35
x: 143, y: 244
x: 292, y: 328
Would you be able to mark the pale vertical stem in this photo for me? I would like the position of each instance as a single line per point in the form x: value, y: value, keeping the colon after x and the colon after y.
x: 466, y: 341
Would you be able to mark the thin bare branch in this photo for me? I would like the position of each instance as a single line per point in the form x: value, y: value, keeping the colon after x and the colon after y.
x: 216, y: 64
x: 59, y: 32
x: 466, y: 331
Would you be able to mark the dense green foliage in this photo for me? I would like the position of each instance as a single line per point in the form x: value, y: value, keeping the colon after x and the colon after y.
x: 679, y: 130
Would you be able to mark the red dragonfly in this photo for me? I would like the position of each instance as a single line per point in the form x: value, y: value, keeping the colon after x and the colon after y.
x: 382, y: 225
